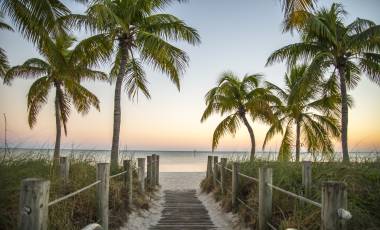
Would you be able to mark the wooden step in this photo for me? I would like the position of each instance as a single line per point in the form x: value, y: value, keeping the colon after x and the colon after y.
x: 183, y: 210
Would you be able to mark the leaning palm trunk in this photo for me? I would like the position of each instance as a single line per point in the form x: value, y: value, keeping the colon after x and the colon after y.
x: 251, y: 135
x: 57, y: 146
x: 343, y: 91
x: 298, y: 141
x: 117, y: 107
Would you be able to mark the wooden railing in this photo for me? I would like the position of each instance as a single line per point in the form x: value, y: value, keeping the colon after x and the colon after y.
x: 34, y: 193
x: 334, y: 194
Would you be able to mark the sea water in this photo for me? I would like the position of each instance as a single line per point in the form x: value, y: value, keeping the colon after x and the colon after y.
x: 181, y: 161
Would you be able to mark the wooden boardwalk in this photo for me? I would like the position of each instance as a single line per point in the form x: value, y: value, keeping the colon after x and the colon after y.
x: 183, y: 210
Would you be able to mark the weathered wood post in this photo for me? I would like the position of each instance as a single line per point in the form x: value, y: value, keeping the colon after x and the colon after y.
x: 129, y: 176
x: 223, y: 163
x: 102, y: 193
x: 125, y: 168
x: 33, y: 206
x: 209, y: 166
x: 64, y: 168
x: 334, y: 197
x: 306, y: 177
x: 149, y: 172
x: 157, y: 169
x: 235, y: 183
x: 154, y: 165
x: 141, y: 172
x: 215, y: 171
x: 265, y: 197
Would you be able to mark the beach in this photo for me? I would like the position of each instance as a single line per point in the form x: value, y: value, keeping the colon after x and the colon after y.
x: 142, y: 220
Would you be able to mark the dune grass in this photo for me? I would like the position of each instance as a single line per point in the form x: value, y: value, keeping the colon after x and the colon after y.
x: 363, y: 186
x: 74, y: 213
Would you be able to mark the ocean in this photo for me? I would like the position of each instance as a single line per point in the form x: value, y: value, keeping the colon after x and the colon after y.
x: 180, y: 161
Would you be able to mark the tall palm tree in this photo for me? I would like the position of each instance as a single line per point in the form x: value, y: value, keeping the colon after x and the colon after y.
x: 140, y: 35
x: 63, y: 69
x: 238, y: 98
x: 4, y: 65
x: 310, y: 110
x: 331, y: 45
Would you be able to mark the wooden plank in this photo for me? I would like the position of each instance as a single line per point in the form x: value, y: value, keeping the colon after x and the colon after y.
x: 183, y: 210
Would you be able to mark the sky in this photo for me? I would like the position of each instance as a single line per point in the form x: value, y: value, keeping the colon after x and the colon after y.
x: 236, y: 35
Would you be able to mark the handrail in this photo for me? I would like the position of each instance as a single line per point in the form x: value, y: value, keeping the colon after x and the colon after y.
x: 295, y: 195
x: 118, y: 174
x: 271, y: 226
x: 73, y: 193
x: 246, y: 205
x: 248, y: 177
x: 228, y: 169
x: 93, y: 226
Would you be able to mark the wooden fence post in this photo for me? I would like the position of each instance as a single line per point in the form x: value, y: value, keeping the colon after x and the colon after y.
x: 154, y: 165
x: 126, y: 175
x: 265, y: 197
x: 223, y: 163
x: 129, y: 176
x: 141, y: 172
x: 209, y: 166
x: 235, y: 182
x: 33, y: 206
x: 64, y: 165
x: 215, y: 171
x: 157, y: 169
x: 102, y: 193
x: 149, y: 172
x: 334, y: 197
x: 306, y: 177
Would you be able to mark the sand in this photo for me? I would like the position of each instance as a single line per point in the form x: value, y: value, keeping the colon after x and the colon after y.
x: 180, y: 181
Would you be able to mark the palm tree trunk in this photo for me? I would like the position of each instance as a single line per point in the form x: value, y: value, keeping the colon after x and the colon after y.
x: 344, y: 121
x: 117, y: 107
x: 298, y: 142
x: 57, y: 146
x: 252, y: 136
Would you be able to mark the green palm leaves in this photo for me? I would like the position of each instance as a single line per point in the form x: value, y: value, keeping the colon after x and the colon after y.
x: 4, y: 65
x: 237, y: 98
x: 63, y: 69
x: 330, y: 46
x: 307, y: 115
x: 140, y: 35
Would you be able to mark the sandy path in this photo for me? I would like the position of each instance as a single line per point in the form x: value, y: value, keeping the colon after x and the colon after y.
x: 179, y: 181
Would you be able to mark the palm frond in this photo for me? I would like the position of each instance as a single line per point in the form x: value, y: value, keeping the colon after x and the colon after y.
x: 285, y: 150
x: 162, y: 56
x: 170, y: 28
x: 37, y: 97
x: 229, y: 125
x: 136, y: 81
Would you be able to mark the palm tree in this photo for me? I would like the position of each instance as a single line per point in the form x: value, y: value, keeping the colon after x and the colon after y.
x: 296, y: 11
x: 140, y: 35
x: 331, y: 45
x: 36, y: 20
x: 237, y: 98
x: 4, y: 65
x: 62, y: 69
x: 311, y: 110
